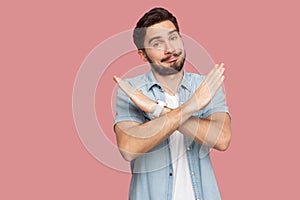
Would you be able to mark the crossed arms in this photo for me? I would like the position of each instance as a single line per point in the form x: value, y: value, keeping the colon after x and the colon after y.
x: 135, y: 138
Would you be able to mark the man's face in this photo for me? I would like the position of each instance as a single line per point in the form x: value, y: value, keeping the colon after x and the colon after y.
x: 164, y: 48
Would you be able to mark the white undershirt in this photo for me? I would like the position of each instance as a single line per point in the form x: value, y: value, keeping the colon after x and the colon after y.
x: 182, y: 184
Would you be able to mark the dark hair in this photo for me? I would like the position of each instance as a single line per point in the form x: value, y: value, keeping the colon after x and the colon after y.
x: 154, y: 16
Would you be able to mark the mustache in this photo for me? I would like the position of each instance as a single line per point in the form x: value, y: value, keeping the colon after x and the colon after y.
x: 177, y: 54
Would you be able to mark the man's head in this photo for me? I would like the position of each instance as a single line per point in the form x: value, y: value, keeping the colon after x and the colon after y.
x: 158, y: 40
x: 154, y: 16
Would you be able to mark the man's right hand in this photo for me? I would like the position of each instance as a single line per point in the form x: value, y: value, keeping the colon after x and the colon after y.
x: 143, y: 102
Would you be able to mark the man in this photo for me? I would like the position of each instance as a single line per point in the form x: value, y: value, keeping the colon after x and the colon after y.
x: 167, y: 120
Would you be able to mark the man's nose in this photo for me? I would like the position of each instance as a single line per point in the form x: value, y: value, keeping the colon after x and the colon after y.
x: 169, y: 48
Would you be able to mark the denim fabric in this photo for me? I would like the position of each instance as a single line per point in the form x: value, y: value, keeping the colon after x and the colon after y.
x: 152, y: 172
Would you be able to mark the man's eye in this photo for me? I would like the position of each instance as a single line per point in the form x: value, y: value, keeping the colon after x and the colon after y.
x: 174, y: 37
x: 156, y: 44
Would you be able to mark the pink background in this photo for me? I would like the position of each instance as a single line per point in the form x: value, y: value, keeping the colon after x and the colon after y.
x: 43, y: 44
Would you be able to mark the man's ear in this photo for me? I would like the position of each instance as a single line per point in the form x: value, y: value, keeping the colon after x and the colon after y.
x: 142, y: 55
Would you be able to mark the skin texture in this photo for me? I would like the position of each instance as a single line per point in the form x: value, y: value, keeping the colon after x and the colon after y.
x: 165, y: 53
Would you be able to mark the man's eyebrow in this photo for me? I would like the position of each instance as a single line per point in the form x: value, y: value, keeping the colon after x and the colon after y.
x: 158, y: 37
x: 154, y: 38
x: 173, y: 31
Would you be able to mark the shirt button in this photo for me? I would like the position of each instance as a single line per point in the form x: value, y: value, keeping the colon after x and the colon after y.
x: 188, y: 148
x: 170, y: 174
x: 197, y: 199
x: 193, y: 173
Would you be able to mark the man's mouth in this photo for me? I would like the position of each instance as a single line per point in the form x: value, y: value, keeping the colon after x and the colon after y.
x: 171, y: 58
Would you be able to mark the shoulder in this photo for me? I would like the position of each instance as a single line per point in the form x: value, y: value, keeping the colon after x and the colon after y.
x: 138, y: 81
x: 194, y: 75
x: 194, y: 79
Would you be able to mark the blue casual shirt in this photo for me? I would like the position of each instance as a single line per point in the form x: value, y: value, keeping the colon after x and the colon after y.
x: 152, y: 172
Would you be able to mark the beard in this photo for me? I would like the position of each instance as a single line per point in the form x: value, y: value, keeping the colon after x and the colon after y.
x: 173, y: 69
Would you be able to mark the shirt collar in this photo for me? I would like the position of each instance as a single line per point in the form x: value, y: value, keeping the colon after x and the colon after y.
x: 151, y: 81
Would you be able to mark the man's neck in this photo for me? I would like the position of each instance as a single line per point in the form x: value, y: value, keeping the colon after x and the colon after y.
x: 169, y: 83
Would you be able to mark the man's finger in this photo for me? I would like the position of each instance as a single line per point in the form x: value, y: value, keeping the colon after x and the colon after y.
x: 215, y: 76
x: 116, y: 79
x: 216, y: 85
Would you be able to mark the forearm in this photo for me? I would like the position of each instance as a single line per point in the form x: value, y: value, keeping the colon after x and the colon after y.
x: 213, y: 132
x: 137, y: 139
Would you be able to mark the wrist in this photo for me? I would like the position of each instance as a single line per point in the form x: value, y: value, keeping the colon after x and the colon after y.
x: 158, y: 108
x: 152, y: 107
x: 189, y: 107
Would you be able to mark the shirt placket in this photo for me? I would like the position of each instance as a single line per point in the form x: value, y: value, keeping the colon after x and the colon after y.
x: 184, y: 95
x: 159, y: 95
